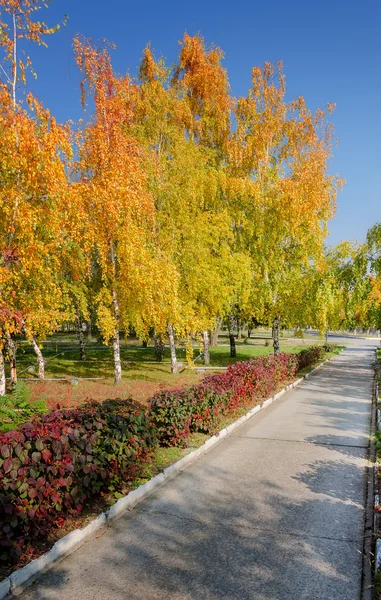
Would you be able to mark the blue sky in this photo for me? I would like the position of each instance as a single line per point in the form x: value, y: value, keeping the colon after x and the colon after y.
x: 331, y: 52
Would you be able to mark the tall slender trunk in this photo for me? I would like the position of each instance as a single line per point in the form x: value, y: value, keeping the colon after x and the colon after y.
x: 233, y: 349
x: 205, y: 337
x: 215, y: 332
x: 326, y: 335
x: 159, y: 348
x: 14, y: 65
x: 276, y: 328
x: 116, y: 342
x: 12, y: 359
x: 81, y: 337
x: 171, y: 335
x: 40, y: 359
x: 117, y: 362
x: 239, y: 329
x: 2, y: 374
x: 116, y: 339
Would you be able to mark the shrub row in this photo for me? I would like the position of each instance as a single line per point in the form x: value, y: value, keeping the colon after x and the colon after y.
x: 177, y: 413
x: 52, y: 466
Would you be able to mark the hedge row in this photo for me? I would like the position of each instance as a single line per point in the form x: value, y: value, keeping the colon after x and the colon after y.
x: 51, y: 467
x: 177, y: 413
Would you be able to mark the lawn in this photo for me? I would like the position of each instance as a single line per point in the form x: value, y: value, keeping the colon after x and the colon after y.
x: 73, y: 381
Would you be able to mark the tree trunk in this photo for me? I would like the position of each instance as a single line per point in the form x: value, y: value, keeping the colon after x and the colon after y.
x: 40, y: 360
x: 174, y: 365
x: 215, y: 332
x: 12, y: 359
x: 326, y: 335
x: 145, y: 344
x: 205, y: 336
x: 276, y: 328
x: 239, y: 329
x: 81, y: 338
x: 248, y: 332
x: 159, y: 348
x: 233, y: 349
x: 2, y: 374
x: 117, y: 363
x: 116, y: 343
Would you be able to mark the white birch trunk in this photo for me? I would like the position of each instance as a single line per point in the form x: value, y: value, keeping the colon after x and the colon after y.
x: 2, y: 374
x: 116, y: 343
x: 174, y: 365
x: 40, y: 360
x: 12, y: 359
x: 205, y: 337
x: 117, y: 362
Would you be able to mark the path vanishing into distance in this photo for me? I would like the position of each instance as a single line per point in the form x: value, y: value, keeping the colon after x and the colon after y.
x: 274, y: 512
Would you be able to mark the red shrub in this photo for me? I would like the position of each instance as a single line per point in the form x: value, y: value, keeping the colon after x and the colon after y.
x: 51, y: 466
x: 176, y: 413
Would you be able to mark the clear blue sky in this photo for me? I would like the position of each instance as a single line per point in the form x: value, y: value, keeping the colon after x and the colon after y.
x: 331, y: 51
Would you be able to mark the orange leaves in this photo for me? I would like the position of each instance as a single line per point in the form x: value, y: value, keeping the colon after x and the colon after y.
x: 204, y: 83
x: 172, y: 209
x: 32, y: 199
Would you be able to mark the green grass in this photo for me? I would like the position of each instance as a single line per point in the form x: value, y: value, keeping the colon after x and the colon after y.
x: 220, y: 356
x: 139, y: 363
x: 142, y: 376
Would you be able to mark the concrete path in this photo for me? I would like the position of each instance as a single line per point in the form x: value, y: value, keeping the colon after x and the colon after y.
x: 275, y: 512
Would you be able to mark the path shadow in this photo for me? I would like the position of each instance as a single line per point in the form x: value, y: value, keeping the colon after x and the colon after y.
x: 224, y: 543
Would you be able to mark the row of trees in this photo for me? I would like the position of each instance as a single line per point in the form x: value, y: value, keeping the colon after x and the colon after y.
x: 173, y: 207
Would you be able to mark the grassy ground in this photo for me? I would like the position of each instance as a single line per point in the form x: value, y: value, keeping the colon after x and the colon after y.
x: 142, y: 376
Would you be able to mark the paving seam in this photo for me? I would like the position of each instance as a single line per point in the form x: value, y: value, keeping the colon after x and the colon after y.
x: 264, y: 530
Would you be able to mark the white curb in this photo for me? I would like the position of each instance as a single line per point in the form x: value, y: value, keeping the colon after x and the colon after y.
x: 376, y: 509
x: 15, y: 584
x: 5, y: 587
x: 377, y: 558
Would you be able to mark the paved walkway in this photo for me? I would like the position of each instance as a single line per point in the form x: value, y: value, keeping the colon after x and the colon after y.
x: 275, y: 512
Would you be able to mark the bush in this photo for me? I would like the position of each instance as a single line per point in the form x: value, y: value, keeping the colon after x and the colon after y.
x: 327, y: 347
x: 310, y: 356
x: 256, y: 378
x: 170, y: 414
x: 51, y: 466
x: 176, y: 413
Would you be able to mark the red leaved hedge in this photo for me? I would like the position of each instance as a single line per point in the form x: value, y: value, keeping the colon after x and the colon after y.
x: 178, y: 412
x: 50, y: 467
